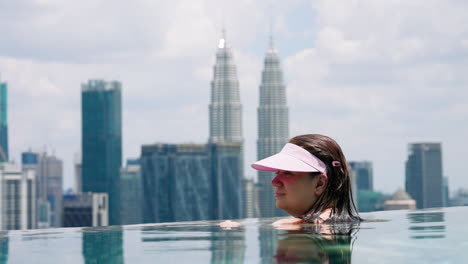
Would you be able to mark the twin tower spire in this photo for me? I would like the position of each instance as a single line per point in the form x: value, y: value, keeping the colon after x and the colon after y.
x: 226, y: 112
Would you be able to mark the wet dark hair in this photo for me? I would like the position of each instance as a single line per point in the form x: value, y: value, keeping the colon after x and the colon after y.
x: 338, y: 193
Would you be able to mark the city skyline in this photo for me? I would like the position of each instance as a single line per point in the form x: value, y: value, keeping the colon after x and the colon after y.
x: 356, y: 75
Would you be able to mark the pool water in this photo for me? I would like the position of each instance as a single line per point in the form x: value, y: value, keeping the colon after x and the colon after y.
x: 420, y: 236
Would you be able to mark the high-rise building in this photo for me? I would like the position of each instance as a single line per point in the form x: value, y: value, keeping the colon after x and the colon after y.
x: 250, y: 198
x: 3, y: 122
x: 189, y: 182
x: 85, y: 209
x: 77, y: 172
x: 363, y: 173
x: 225, y: 146
x: 50, y: 183
x: 227, y: 180
x: 446, y: 192
x: 424, y: 174
x: 177, y: 184
x: 460, y: 198
x: 49, y: 186
x: 102, y: 141
x: 225, y: 107
x: 273, y: 126
x: 131, y: 194
x: 17, y: 197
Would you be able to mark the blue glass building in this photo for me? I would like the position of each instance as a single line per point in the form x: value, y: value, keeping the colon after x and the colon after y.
x: 176, y: 183
x: 101, y: 104
x: 362, y: 171
x: 131, y: 193
x: 424, y: 181
x: 3, y: 123
x: 188, y: 182
x: 227, y: 180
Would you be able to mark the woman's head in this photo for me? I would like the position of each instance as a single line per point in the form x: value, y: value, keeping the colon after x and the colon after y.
x: 312, y: 175
x: 337, y: 193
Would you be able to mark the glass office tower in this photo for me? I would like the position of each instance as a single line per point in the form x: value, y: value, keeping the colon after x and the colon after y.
x: 424, y: 174
x: 363, y: 173
x: 102, y: 141
x: 176, y: 183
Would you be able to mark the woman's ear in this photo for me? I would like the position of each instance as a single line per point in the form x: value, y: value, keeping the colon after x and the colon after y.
x: 321, y: 184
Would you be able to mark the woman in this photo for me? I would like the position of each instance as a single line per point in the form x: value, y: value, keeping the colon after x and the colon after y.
x: 312, y: 181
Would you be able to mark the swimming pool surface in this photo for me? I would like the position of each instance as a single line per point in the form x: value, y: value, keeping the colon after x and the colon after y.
x: 421, y: 236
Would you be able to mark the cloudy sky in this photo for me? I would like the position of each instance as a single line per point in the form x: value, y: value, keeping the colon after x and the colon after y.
x: 374, y: 75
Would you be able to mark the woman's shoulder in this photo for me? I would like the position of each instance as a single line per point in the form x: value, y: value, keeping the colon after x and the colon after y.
x: 288, y: 221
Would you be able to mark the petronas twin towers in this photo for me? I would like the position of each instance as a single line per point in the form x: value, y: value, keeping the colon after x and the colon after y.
x: 225, y: 107
x: 273, y: 122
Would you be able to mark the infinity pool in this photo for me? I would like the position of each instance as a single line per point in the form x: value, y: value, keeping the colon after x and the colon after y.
x: 422, y: 236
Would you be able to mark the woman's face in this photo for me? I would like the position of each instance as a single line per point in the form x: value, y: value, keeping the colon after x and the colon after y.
x: 295, y: 192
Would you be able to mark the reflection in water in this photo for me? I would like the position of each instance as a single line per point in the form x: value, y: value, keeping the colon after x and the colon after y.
x: 426, y: 217
x: 102, y: 245
x: 268, y: 243
x: 227, y: 246
x: 4, y: 247
x: 310, y: 244
x: 419, y: 228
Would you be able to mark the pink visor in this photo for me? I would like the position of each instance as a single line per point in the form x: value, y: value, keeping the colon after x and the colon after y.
x: 291, y: 158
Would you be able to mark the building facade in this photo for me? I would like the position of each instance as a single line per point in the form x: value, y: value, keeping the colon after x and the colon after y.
x: 49, y: 186
x: 363, y: 173
x: 225, y: 144
x: 101, y: 104
x: 250, y: 198
x: 273, y: 126
x: 225, y: 108
x: 424, y: 182
x: 77, y: 172
x: 226, y: 180
x: 85, y: 209
x: 17, y: 197
x: 190, y: 182
x: 176, y: 183
x: 3, y: 122
x: 131, y: 194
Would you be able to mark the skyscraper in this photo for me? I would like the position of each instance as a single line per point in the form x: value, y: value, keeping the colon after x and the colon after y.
x: 177, y: 184
x: 273, y: 126
x: 225, y: 107
x: 226, y: 141
x: 424, y: 174
x: 102, y: 141
x: 17, y: 197
x: 227, y: 180
x: 362, y: 171
x: 49, y: 182
x: 77, y: 172
x: 131, y: 193
x: 3, y: 123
